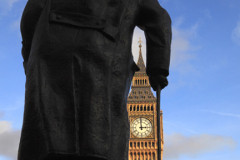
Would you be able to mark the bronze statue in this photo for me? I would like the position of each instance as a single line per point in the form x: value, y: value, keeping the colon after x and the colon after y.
x: 79, y: 66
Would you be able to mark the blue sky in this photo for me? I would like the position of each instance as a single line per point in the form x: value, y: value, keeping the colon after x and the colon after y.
x: 201, y: 105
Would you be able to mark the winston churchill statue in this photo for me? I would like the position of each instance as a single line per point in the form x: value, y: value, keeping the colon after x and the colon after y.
x: 79, y: 66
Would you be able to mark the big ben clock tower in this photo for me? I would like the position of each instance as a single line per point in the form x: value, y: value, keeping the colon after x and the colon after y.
x: 142, y: 111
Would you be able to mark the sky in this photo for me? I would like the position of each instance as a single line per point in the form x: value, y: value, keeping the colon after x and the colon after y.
x: 201, y: 105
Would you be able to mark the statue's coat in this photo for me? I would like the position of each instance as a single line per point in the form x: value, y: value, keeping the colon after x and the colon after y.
x: 79, y: 67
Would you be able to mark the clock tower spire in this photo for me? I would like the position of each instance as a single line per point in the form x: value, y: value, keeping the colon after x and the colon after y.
x: 140, y: 62
x: 142, y: 112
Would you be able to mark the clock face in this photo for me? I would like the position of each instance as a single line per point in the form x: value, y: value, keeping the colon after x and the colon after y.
x: 141, y: 127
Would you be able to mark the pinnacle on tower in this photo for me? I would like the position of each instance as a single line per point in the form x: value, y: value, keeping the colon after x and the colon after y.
x: 140, y: 62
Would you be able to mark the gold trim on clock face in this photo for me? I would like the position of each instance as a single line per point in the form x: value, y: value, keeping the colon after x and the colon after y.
x: 141, y: 127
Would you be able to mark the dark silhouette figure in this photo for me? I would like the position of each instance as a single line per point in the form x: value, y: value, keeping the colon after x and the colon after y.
x: 79, y: 66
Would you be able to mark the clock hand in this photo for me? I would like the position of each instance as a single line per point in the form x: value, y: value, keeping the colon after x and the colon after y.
x: 141, y: 123
x: 144, y: 127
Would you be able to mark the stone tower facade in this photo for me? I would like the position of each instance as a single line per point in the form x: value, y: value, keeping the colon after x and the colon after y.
x: 142, y: 111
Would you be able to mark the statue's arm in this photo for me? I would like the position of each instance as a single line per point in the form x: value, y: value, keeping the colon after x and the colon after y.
x: 156, y: 23
x: 29, y: 20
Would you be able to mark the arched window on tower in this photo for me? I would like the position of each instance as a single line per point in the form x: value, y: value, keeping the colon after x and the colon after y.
x: 135, y: 82
x: 153, y: 156
x: 141, y: 108
x: 144, y: 108
x: 148, y: 108
x: 137, y: 108
x: 145, y: 82
x: 151, y: 108
x: 131, y: 108
x: 134, y: 108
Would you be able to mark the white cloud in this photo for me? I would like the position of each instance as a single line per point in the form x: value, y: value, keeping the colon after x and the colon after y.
x: 182, y: 50
x: 179, y: 126
x: 236, y: 34
x: 180, y: 46
x: 178, y: 21
x: 4, y: 126
x: 9, y: 140
x: 16, y: 24
x: 6, y: 5
x: 207, y: 13
x: 224, y: 114
x: 176, y: 145
x: 229, y: 114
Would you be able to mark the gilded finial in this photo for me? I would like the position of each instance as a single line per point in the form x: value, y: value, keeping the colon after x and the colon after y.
x: 140, y: 44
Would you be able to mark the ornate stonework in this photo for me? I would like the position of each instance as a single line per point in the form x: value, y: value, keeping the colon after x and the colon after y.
x: 142, y: 105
